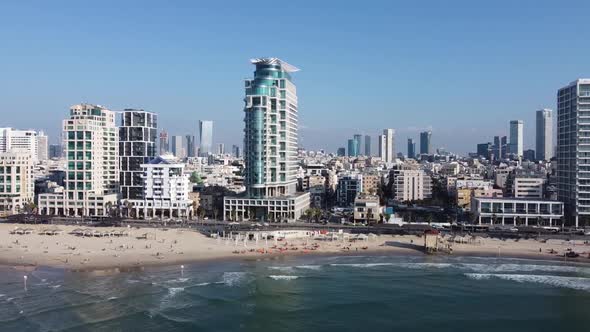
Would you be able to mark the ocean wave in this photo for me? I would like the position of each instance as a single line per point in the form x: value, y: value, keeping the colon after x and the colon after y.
x: 233, y: 278
x: 175, y: 290
x: 281, y: 268
x: 203, y: 284
x: 577, y: 283
x: 489, y: 268
x: 309, y: 267
x: 112, y: 298
x: 364, y: 265
x: 283, y: 277
x: 178, y: 280
x: 55, y: 286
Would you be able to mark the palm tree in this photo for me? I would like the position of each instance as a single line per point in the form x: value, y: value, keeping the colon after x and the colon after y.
x: 109, y: 207
x: 317, y: 213
x: 201, y: 213
x: 309, y: 214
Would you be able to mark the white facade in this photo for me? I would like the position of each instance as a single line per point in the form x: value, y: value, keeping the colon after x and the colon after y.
x: 42, y: 147
x: 528, y: 187
x: 412, y: 185
x: 17, y: 186
x: 166, y: 190
x: 12, y: 140
x: 516, y: 137
x: 544, y: 135
x: 386, y: 145
x: 516, y: 211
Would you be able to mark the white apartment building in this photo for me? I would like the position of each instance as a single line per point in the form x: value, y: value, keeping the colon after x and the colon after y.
x: 528, y: 187
x: 386, y: 145
x: 13, y: 140
x: 92, y: 151
x: 17, y: 186
x: 412, y: 185
x: 166, y: 190
x: 516, y: 211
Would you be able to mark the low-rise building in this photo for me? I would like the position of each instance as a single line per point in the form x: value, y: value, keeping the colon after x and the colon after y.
x: 412, y: 185
x: 516, y: 211
x: 528, y: 187
x: 366, y: 208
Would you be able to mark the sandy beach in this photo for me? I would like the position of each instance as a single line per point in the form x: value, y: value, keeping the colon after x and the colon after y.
x: 177, y: 246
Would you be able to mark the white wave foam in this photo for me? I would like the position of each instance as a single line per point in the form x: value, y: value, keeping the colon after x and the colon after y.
x: 9, y: 299
x: 203, y: 284
x: 309, y: 267
x: 112, y: 298
x: 133, y: 281
x: 178, y: 280
x: 2, y: 295
x: 55, y: 286
x: 174, y: 290
x: 233, y: 278
x: 283, y: 277
x: 281, y: 268
x: 364, y: 264
x: 489, y: 268
x: 556, y: 281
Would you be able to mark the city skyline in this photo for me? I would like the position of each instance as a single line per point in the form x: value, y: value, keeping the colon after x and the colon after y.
x: 35, y: 90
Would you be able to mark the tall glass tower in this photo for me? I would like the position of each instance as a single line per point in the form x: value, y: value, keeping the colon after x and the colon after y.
x: 205, y: 138
x: 270, y: 146
x: 137, y: 145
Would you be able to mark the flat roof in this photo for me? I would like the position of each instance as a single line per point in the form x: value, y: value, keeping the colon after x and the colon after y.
x: 518, y: 199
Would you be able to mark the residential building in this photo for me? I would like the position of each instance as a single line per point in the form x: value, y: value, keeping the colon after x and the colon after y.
x: 367, y: 208
x: 347, y: 189
x: 270, y: 147
x: 411, y: 148
x: 544, y: 134
x: 165, y: 190
x: 205, y: 137
x: 411, y: 185
x: 528, y: 187
x: 137, y: 146
x: 573, y: 150
x: 516, y: 138
x: 516, y: 211
x: 371, y: 183
x: 426, y: 142
x: 17, y: 186
x: 23, y: 141
x: 92, y: 176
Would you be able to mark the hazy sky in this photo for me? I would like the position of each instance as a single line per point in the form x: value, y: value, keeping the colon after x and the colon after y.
x: 461, y: 68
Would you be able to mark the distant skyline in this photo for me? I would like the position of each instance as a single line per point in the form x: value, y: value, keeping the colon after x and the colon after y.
x: 461, y: 69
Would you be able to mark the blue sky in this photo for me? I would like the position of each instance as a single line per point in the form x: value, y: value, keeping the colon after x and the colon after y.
x: 461, y: 68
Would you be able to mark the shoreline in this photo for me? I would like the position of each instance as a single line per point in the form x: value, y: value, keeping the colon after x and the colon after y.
x: 169, y: 247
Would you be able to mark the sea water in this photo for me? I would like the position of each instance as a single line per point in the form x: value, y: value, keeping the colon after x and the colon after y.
x: 349, y: 293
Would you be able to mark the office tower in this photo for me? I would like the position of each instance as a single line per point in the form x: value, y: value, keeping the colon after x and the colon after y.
x: 16, y: 181
x: 529, y: 155
x: 411, y: 148
x: 236, y: 151
x: 221, y: 148
x: 55, y: 151
x: 42, y: 146
x: 544, y: 134
x: 164, y: 143
x: 497, y: 148
x: 137, y: 146
x: 367, y: 145
x: 92, y: 148
x: 270, y: 147
x: 358, y: 141
x: 484, y: 150
x: 516, y: 137
x: 189, y: 149
x: 426, y: 142
x: 573, y: 134
x: 504, y: 146
x: 205, y: 138
x: 386, y: 146
x: 352, y: 152
x: 177, y: 147
x: 23, y: 141
x: 341, y: 152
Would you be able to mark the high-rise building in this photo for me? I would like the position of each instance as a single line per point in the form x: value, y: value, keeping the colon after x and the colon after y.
x: 367, y: 145
x: 236, y: 151
x: 16, y: 181
x: 221, y: 148
x: 177, y: 147
x: 352, y: 148
x: 386, y: 145
x: 92, y: 176
x: 341, y: 152
x: 42, y: 146
x: 573, y: 144
x: 22, y: 141
x: 190, y: 145
x: 516, y: 138
x: 164, y: 143
x: 137, y: 146
x: 497, y: 148
x: 205, y: 138
x: 504, y: 146
x: 484, y: 150
x: 426, y: 142
x: 544, y: 134
x: 270, y: 147
x: 358, y: 141
x: 529, y: 155
x: 411, y: 148
x: 55, y: 151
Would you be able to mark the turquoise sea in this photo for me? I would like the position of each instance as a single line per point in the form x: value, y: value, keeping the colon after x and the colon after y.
x: 350, y: 293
